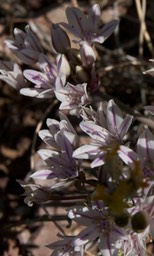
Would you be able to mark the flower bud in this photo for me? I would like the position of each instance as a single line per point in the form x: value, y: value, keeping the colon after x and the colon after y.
x: 122, y: 220
x: 63, y: 65
x: 87, y: 54
x: 139, y: 221
x: 60, y: 39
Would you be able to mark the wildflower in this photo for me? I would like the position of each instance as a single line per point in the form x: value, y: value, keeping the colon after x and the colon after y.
x: 133, y: 245
x: 54, y: 127
x: 99, y: 225
x: 60, y: 164
x: 62, y: 138
x: 107, y: 141
x: 45, y: 81
x: 86, y: 27
x: 73, y: 97
x: 35, y: 193
x: 65, y: 247
x: 11, y: 73
x: 25, y: 45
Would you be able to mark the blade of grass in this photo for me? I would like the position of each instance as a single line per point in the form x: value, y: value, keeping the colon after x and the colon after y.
x: 141, y: 10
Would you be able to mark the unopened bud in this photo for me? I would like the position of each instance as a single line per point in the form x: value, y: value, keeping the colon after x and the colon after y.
x: 63, y: 64
x: 60, y: 39
x: 139, y: 221
x: 122, y: 220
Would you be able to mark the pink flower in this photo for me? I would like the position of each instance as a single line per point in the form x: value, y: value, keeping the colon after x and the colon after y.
x: 107, y: 140
x: 65, y: 247
x: 99, y: 225
x: 62, y: 138
x: 87, y: 27
x: 25, y: 45
x: 51, y: 76
x: 73, y: 97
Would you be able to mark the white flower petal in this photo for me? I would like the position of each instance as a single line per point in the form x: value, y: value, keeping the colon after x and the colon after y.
x: 98, y: 161
x: 127, y: 155
x: 86, y: 152
x: 113, y: 116
x: 106, y: 31
x: 94, y: 131
x: 42, y: 175
x: 124, y: 126
x: 145, y: 145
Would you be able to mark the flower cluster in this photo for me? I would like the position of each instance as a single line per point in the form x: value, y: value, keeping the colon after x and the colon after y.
x: 90, y: 150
